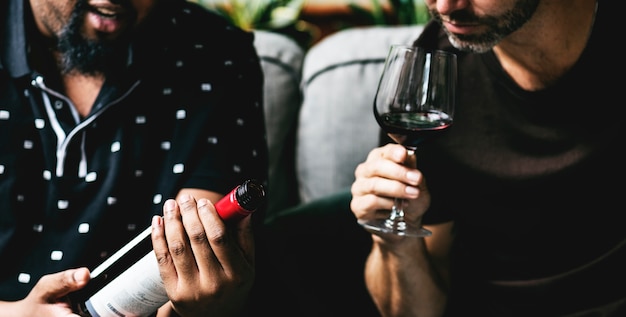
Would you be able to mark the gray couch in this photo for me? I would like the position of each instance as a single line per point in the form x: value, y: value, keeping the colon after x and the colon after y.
x: 281, y: 60
x: 318, y: 108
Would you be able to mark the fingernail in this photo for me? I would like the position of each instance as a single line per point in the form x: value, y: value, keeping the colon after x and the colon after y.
x: 399, y: 153
x: 411, y: 190
x: 169, y: 206
x: 185, y: 198
x: 412, y: 176
x: 79, y: 276
x: 202, y: 202
x: 157, y: 221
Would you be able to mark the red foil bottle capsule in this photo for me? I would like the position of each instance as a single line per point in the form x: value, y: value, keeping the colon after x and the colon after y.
x: 241, y: 201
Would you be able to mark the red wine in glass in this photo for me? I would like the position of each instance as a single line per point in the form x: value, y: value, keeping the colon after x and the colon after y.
x: 412, y: 128
x: 414, y: 102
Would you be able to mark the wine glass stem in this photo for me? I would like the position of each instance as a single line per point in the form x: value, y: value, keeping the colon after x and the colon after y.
x: 396, y: 219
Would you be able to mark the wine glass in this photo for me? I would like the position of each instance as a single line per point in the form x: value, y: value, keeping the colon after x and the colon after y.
x: 414, y: 102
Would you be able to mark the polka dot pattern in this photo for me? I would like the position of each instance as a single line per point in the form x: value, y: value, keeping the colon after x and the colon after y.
x: 188, y: 113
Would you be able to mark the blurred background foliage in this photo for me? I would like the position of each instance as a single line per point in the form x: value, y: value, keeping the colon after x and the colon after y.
x: 280, y: 16
x: 285, y: 16
x: 396, y: 12
x: 257, y: 14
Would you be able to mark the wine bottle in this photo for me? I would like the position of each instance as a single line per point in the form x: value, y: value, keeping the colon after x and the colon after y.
x: 128, y: 283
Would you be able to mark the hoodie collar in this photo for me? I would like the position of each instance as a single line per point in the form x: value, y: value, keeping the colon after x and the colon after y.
x: 13, y: 45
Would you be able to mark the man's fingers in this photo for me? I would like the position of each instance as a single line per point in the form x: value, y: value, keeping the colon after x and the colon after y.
x: 51, y: 287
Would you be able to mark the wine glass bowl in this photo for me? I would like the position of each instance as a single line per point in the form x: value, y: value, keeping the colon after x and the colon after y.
x: 414, y: 102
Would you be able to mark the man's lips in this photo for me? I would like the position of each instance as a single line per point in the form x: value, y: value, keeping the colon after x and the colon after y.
x: 102, y: 24
x: 106, y: 17
x: 461, y: 27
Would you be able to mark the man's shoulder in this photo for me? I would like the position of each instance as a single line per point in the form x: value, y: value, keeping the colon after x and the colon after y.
x: 186, y: 30
x: 201, y: 24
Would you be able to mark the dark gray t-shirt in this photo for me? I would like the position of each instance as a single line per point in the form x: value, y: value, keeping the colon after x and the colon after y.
x: 532, y: 181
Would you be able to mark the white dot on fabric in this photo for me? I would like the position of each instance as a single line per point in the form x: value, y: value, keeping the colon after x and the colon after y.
x: 212, y: 140
x: 240, y: 122
x: 56, y: 255
x: 131, y: 227
x: 206, y: 87
x: 166, y: 145
x: 23, y: 278
x: 236, y: 168
x: 83, y: 228
x: 181, y: 114
x: 47, y: 175
x: 111, y: 200
x: 115, y: 146
x: 4, y: 115
x: 38, y: 227
x: 40, y: 123
x: 1, y: 169
x: 140, y: 119
x: 91, y: 177
x: 63, y: 204
x: 179, y: 168
x: 167, y: 91
x: 157, y: 199
x: 138, y: 173
x: 28, y: 144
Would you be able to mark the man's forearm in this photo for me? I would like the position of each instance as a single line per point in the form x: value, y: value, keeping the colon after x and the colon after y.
x: 403, y: 282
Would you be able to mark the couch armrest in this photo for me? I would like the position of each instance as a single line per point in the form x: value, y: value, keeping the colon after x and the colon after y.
x: 281, y: 61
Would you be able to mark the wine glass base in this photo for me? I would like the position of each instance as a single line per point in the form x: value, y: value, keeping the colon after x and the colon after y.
x: 398, y: 228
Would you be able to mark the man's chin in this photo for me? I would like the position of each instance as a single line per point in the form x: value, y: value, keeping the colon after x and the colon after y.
x: 80, y: 68
x: 91, y: 60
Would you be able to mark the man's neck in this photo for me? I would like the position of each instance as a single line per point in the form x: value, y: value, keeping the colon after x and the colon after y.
x: 83, y: 91
x: 549, y: 44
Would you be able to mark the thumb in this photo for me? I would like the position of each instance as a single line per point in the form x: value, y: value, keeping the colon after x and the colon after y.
x: 51, y: 287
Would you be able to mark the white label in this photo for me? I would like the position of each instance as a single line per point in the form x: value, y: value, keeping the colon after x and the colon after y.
x: 137, y: 292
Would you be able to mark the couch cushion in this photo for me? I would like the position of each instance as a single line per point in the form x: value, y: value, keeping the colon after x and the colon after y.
x: 336, y: 123
x: 281, y: 61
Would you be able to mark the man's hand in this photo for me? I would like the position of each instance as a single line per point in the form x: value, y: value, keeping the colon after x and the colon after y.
x: 48, y: 296
x: 383, y: 176
x: 207, y: 267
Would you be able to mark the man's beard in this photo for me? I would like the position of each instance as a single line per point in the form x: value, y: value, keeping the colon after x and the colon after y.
x: 80, y: 55
x: 498, y: 26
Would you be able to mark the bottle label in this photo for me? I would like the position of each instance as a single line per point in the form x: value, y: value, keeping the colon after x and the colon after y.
x: 138, y: 291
